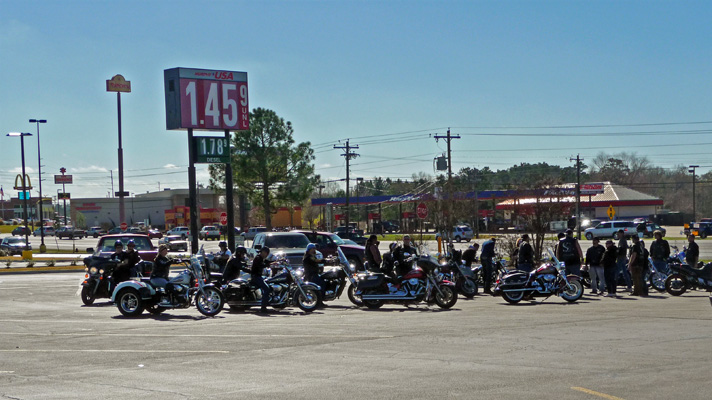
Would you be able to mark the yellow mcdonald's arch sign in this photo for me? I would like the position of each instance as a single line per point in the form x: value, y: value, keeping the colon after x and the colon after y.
x: 25, y: 184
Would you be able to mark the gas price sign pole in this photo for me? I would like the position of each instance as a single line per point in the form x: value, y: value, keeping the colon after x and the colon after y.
x: 208, y: 100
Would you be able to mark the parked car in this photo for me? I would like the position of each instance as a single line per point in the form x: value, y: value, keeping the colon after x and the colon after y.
x: 95, y: 232
x: 353, y: 236
x: 105, y: 246
x: 48, y: 231
x: 115, y: 230
x: 700, y: 229
x: 70, y: 232
x: 134, y: 229
x: 328, y: 244
x: 292, y: 244
x: 252, y: 232
x: 174, y: 243
x: 21, y: 231
x: 460, y: 233
x: 14, y: 245
x: 651, y: 227
x: 154, y: 234
x: 608, y: 229
x: 182, y: 231
x: 209, y: 233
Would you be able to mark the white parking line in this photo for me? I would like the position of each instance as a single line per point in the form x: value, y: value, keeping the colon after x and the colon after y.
x: 110, y: 351
x: 95, y: 334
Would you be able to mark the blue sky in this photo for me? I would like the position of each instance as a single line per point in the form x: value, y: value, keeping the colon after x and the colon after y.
x: 365, y: 70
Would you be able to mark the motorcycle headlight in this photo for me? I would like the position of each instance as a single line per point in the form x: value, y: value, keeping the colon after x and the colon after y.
x: 101, y: 271
x: 93, y: 270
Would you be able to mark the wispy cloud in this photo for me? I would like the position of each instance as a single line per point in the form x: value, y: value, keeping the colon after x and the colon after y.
x: 92, y: 168
x: 170, y: 166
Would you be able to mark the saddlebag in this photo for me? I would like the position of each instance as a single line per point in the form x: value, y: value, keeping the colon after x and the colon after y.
x: 513, y: 280
x: 370, y: 281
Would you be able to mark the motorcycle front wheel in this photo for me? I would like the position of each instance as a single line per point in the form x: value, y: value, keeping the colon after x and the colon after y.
x: 468, y: 288
x: 309, y: 302
x: 210, y: 302
x: 675, y: 284
x: 512, y: 297
x: 88, y: 296
x: 657, y: 281
x: 573, y: 291
x: 447, y: 299
x: 353, y: 298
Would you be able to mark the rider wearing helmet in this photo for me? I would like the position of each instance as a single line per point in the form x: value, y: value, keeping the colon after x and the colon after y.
x: 403, y: 265
x: 132, y: 256
x: 311, y: 264
x: 236, y: 263
x: 121, y: 272
x: 258, y: 265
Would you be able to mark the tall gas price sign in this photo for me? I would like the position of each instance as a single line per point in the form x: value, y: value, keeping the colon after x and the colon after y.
x: 207, y: 100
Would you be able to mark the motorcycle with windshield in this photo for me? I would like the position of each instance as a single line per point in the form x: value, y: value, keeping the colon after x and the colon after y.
x: 423, y: 283
x: 97, y: 282
x: 547, y: 280
x: 189, y: 287
x: 335, y: 278
x: 456, y: 271
x: 286, y: 282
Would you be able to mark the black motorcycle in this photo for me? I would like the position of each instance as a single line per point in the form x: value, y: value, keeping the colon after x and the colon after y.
x: 456, y: 271
x: 287, y: 286
x: 498, y: 270
x: 684, y: 276
x: 334, y: 279
x: 97, y: 282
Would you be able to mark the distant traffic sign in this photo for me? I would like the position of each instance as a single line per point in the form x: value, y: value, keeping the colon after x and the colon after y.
x: 62, y: 179
x: 223, y: 219
x: 63, y: 196
x: 422, y: 211
x: 124, y: 226
x: 611, y: 212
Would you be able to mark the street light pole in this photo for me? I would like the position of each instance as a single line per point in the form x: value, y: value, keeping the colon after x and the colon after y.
x: 43, y: 248
x: 24, y: 183
x: 693, y: 170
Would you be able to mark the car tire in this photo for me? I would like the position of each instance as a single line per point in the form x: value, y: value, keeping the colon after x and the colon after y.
x: 589, y: 236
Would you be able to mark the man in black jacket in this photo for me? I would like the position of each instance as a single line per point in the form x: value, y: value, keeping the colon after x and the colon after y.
x: 258, y: 265
x: 660, y: 252
x: 693, y: 251
x: 594, y: 256
x: 569, y: 251
x: 526, y: 255
x: 610, y: 267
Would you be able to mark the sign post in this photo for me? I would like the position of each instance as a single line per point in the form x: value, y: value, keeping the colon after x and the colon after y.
x: 422, y: 212
x: 209, y: 100
x: 118, y: 84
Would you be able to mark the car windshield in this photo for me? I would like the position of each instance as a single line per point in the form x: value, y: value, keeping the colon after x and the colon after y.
x: 142, y: 243
x: 337, y: 239
x: 13, y: 240
x: 287, y: 241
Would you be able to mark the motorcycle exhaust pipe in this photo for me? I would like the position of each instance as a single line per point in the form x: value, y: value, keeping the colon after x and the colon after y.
x: 385, y: 297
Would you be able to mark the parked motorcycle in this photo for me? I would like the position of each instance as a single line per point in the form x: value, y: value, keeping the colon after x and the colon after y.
x: 547, y: 280
x: 498, y: 269
x: 457, y: 272
x: 422, y: 283
x: 134, y: 296
x: 334, y: 280
x: 685, y: 277
x: 654, y: 278
x: 288, y: 288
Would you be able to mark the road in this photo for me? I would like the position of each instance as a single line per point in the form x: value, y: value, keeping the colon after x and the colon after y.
x: 51, y: 346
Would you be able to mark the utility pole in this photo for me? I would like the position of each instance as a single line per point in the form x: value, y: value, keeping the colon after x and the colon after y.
x: 693, y: 170
x: 349, y: 155
x: 449, y: 138
x: 578, y: 194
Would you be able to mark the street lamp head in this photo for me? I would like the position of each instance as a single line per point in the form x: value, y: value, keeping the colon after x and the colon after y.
x: 39, y: 121
x: 18, y: 134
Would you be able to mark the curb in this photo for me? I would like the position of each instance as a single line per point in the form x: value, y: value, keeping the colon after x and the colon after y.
x: 40, y: 270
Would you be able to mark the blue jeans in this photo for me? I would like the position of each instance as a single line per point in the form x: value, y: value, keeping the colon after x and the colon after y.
x: 623, y: 269
x: 258, y: 281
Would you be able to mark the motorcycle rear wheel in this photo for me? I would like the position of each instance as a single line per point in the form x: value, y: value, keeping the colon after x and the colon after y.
x: 448, y: 297
x: 210, y: 302
x: 129, y: 303
x: 468, y: 288
x: 512, y: 297
x: 353, y: 298
x: 373, y: 304
x: 87, y: 296
x: 675, y: 284
x: 573, y: 291
x: 308, y: 303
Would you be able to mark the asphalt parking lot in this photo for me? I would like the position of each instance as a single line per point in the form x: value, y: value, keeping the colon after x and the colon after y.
x: 53, y: 347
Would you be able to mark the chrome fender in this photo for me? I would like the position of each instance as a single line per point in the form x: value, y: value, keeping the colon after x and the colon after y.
x: 145, y: 290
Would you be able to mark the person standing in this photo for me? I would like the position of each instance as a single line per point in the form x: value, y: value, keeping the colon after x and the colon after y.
x: 610, y: 267
x: 693, y: 251
x: 526, y: 255
x: 256, y: 280
x: 660, y: 252
x: 569, y: 251
x: 372, y: 254
x: 636, y: 265
x: 594, y: 257
x: 486, y: 257
x: 623, y: 260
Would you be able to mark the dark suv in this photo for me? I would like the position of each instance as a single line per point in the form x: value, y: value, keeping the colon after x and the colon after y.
x: 328, y: 243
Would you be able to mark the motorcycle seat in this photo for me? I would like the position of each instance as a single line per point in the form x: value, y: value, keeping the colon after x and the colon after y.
x: 704, y: 272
